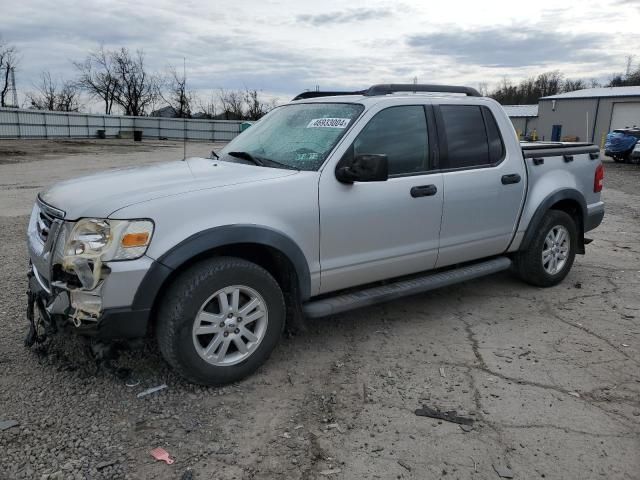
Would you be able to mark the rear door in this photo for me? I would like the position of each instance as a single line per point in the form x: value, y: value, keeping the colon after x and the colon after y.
x: 371, y: 231
x: 484, y: 184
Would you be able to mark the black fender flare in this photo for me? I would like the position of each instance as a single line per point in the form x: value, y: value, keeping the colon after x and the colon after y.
x: 545, y: 206
x: 209, y: 239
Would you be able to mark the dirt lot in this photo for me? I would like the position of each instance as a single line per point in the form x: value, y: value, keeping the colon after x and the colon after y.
x: 551, y: 377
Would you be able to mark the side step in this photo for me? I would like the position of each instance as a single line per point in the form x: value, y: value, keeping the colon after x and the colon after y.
x: 402, y: 288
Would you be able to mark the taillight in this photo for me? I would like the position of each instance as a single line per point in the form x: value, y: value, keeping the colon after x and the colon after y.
x: 598, y: 179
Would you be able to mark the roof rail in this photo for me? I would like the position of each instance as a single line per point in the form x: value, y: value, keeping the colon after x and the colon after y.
x: 388, y: 88
x: 316, y: 94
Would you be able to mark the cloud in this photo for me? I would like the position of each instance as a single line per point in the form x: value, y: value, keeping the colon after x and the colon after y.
x: 511, y: 46
x: 233, y: 44
x: 348, y: 16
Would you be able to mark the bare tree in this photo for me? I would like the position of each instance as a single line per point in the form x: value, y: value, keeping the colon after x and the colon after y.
x: 69, y: 97
x: 573, y: 85
x: 232, y: 103
x: 256, y: 108
x: 98, y: 77
x: 528, y: 91
x: 178, y: 97
x: 8, y: 61
x: 208, y: 106
x: 51, y: 96
x: 137, y: 89
x: 45, y: 96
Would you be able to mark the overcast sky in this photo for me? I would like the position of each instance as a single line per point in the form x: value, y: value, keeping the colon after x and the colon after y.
x: 283, y: 47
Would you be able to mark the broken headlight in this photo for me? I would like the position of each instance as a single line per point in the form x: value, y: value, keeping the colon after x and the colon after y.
x: 109, y: 239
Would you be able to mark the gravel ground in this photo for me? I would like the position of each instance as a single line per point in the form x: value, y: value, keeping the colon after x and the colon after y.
x: 550, y: 376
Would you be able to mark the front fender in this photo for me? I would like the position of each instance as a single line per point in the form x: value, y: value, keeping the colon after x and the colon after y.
x: 212, y: 238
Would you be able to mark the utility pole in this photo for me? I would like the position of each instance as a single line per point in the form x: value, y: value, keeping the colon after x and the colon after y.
x: 630, y: 59
x: 12, y: 92
x: 13, y: 87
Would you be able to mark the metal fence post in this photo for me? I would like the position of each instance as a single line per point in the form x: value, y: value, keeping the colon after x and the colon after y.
x: 18, y: 124
x: 46, y: 128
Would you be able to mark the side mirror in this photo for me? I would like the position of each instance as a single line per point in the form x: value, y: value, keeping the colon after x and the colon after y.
x: 364, y: 168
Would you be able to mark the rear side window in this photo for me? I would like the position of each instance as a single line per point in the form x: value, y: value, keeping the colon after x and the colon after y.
x: 496, y: 147
x: 400, y: 133
x: 473, y: 138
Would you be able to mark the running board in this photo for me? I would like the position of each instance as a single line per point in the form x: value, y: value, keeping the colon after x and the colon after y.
x: 402, y: 288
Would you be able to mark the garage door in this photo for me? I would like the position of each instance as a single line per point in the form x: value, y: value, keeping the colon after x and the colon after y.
x: 625, y: 115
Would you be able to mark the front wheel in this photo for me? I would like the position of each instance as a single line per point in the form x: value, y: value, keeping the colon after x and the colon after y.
x: 551, y: 252
x: 220, y: 320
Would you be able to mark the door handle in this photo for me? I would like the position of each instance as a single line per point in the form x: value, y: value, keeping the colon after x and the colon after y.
x: 511, y: 178
x: 423, y: 191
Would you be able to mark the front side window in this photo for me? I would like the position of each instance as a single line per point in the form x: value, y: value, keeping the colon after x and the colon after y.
x: 299, y: 136
x: 400, y: 133
x: 473, y: 138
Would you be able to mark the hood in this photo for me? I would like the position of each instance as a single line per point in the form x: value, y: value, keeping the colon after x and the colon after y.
x: 101, y: 194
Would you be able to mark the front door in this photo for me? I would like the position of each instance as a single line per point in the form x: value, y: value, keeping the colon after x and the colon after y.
x: 376, y: 230
x: 556, y: 133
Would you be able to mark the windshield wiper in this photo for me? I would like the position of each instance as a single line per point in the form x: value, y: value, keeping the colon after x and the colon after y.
x: 280, y: 164
x: 214, y: 155
x: 247, y: 156
x: 260, y: 161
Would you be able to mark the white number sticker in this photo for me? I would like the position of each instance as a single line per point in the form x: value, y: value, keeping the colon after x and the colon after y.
x: 328, y: 123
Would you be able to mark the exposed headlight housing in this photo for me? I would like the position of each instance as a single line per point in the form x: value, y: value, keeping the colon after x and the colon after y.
x: 109, y: 239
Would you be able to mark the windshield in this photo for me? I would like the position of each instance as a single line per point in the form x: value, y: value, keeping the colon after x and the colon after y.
x: 294, y: 136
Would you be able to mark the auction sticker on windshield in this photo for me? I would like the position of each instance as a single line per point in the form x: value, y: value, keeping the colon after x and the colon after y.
x: 328, y: 123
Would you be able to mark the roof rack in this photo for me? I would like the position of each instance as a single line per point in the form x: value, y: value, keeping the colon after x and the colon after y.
x: 316, y: 94
x: 388, y: 88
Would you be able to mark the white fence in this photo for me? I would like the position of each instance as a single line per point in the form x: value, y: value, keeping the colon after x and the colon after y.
x: 18, y: 123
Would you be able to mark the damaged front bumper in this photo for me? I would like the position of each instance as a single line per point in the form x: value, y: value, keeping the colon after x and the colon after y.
x: 83, y: 294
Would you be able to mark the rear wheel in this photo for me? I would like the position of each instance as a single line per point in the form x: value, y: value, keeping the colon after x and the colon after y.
x: 220, y: 320
x: 551, y: 252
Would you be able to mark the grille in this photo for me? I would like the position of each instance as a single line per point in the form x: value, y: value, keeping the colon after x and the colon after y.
x: 43, y: 225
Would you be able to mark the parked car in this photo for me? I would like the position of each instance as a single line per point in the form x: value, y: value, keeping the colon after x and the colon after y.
x: 329, y: 203
x: 621, y: 143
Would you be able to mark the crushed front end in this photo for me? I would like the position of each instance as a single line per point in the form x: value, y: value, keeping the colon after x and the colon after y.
x: 84, y: 274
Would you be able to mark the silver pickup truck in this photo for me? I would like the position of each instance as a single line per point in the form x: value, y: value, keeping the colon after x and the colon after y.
x: 304, y: 215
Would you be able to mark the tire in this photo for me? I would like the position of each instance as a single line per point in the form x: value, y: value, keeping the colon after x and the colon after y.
x: 191, y: 316
x: 529, y: 263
